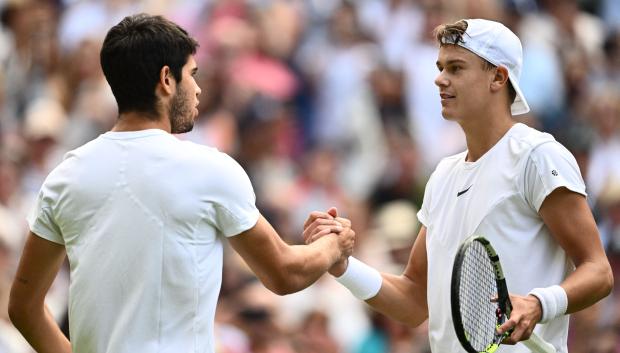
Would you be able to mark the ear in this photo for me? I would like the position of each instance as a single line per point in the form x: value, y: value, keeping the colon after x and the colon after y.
x: 500, y: 79
x: 166, y: 80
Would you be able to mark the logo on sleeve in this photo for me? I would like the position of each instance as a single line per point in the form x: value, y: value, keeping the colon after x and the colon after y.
x: 554, y: 172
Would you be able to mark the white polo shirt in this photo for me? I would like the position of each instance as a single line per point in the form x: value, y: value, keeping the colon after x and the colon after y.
x: 498, y: 196
x: 142, y: 216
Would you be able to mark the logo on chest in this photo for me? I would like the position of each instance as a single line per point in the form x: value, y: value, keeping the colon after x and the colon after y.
x: 463, y: 191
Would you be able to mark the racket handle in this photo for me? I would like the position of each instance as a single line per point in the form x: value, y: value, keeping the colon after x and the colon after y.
x: 537, y: 345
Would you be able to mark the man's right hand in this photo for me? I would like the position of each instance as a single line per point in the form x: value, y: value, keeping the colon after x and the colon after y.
x: 318, y: 225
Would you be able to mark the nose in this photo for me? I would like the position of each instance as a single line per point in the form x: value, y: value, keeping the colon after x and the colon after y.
x: 441, y: 80
x: 198, y: 90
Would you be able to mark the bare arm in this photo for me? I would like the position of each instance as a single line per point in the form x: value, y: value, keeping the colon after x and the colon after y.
x: 403, y: 297
x: 37, y: 269
x: 570, y: 222
x: 286, y: 269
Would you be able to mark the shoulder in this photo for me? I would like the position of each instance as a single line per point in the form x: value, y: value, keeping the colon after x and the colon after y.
x: 207, y: 156
x: 524, y: 138
x: 211, y: 167
x: 83, y: 150
x: 522, y: 141
x: 550, y: 148
x: 70, y: 161
x: 192, y: 147
x: 533, y: 147
x: 540, y: 146
x: 550, y: 166
x: 447, y: 164
x: 184, y: 151
x: 554, y: 159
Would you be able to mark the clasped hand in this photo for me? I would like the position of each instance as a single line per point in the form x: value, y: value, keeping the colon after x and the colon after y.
x: 320, y: 224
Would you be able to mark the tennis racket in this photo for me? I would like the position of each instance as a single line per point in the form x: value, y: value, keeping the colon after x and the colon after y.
x: 477, y: 277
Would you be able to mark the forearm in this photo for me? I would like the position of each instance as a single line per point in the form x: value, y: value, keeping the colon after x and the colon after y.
x: 401, y: 299
x: 590, y: 282
x: 40, y: 330
x: 40, y: 262
x: 304, y: 264
x: 568, y: 217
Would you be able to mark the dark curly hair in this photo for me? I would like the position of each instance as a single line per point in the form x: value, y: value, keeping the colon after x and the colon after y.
x: 133, y: 54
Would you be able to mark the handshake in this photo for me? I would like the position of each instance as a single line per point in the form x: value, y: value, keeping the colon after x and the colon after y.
x: 328, y: 224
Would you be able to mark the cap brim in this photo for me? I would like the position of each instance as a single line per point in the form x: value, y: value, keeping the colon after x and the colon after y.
x: 519, y: 106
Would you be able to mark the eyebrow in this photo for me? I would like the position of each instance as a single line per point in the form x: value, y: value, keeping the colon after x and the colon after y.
x: 452, y: 61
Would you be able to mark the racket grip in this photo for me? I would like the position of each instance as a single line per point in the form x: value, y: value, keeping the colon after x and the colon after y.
x: 537, y: 345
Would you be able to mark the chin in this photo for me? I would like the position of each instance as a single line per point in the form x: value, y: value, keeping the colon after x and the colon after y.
x: 447, y: 115
x: 183, y: 128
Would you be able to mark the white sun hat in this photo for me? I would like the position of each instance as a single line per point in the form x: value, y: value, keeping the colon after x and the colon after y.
x: 498, y: 45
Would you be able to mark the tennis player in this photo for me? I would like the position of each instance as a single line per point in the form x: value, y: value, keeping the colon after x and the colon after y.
x: 142, y: 215
x: 514, y: 185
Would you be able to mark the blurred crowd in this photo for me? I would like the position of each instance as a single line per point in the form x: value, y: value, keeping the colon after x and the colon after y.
x: 324, y: 103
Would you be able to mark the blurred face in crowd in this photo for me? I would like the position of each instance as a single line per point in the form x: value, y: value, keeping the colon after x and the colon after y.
x: 184, y: 104
x: 343, y: 25
x: 463, y: 82
x: 9, y: 181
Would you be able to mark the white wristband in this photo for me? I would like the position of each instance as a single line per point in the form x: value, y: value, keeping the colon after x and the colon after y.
x: 553, y: 301
x: 362, y: 280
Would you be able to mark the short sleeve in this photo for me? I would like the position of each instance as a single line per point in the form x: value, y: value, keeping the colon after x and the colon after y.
x: 41, y: 220
x: 549, y: 167
x: 235, y: 205
x: 423, y: 213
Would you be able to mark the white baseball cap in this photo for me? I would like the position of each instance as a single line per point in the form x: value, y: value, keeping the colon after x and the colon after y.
x: 498, y: 45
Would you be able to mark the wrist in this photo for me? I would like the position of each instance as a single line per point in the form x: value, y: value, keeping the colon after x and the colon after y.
x: 553, y: 302
x: 538, y: 305
x: 363, y: 281
x: 339, y: 267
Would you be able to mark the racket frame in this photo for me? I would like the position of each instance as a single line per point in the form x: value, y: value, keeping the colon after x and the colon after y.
x: 503, y: 298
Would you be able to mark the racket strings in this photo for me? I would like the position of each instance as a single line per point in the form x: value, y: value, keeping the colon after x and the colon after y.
x: 477, y: 288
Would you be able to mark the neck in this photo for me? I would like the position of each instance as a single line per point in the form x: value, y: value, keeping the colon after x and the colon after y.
x: 483, y: 134
x: 135, y: 121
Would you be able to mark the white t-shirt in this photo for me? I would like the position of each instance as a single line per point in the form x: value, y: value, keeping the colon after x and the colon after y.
x: 498, y: 196
x: 142, y: 216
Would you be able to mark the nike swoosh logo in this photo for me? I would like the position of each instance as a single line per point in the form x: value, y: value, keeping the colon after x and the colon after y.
x: 464, y: 191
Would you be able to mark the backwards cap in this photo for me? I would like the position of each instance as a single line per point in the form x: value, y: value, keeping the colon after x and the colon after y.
x: 498, y: 45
